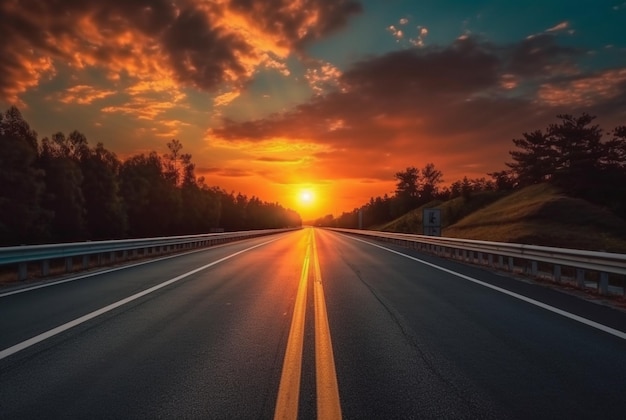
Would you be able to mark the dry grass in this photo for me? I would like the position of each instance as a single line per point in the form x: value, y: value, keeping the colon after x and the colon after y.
x: 537, y: 215
x: 542, y: 215
x: 451, y: 212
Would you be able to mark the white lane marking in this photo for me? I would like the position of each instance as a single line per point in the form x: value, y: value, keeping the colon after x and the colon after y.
x: 105, y: 271
x: 51, y: 333
x: 593, y: 324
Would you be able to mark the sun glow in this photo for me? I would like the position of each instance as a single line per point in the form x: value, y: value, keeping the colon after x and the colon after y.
x: 306, y: 197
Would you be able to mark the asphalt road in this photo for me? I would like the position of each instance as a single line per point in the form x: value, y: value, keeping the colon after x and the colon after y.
x: 309, y: 323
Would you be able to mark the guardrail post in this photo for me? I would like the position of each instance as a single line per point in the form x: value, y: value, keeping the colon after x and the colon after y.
x: 511, y: 264
x: 112, y: 256
x: 22, y: 271
x: 604, y: 283
x: 557, y: 273
x: 533, y: 268
x: 580, y: 277
x: 501, y: 261
x: 45, y: 268
x: 490, y: 260
x: 69, y: 264
x: 85, y: 261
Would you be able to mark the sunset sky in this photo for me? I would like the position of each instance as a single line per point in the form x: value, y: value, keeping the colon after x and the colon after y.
x: 274, y: 97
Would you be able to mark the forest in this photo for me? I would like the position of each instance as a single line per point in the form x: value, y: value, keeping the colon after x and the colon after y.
x: 573, y: 153
x: 61, y: 189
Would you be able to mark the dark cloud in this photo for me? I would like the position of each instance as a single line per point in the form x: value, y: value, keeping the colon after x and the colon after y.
x: 276, y: 159
x: 444, y: 105
x: 463, y: 67
x: 224, y: 172
x: 195, y: 40
x: 201, y: 53
x: 541, y: 55
x: 297, y: 23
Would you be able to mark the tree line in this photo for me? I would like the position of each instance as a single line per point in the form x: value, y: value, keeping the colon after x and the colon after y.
x: 62, y: 189
x: 573, y: 153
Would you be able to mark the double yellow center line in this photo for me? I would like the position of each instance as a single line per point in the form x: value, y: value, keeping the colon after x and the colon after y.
x: 328, y: 406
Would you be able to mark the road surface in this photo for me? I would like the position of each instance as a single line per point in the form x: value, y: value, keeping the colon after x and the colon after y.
x: 308, y: 324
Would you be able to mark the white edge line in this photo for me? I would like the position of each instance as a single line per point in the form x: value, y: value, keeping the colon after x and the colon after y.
x: 61, y: 328
x: 107, y: 271
x: 604, y: 328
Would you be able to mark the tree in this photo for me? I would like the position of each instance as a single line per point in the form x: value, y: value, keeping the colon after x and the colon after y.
x: 63, y: 194
x: 612, y: 184
x: 578, y: 151
x: 407, y: 189
x: 172, y: 161
x: 105, y: 210
x: 533, y: 164
x: 615, y: 150
x: 504, y: 180
x: 152, y: 202
x: 22, y: 217
x: 431, y: 178
x: 466, y: 188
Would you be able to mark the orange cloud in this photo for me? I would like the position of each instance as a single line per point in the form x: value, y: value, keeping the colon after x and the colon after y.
x: 198, y: 44
x: 458, y: 106
x: 585, y: 91
x: 83, y: 94
x: 322, y: 77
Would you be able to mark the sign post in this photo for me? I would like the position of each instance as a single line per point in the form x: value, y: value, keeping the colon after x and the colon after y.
x: 432, y: 222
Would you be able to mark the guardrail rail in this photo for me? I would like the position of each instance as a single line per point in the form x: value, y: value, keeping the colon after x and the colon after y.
x: 113, y: 250
x: 604, y: 271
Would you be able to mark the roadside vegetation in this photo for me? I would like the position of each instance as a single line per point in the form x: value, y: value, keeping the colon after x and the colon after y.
x: 62, y: 189
x: 539, y: 214
x: 565, y: 187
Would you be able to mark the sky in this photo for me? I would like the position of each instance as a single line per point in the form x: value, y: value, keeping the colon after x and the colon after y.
x: 276, y: 97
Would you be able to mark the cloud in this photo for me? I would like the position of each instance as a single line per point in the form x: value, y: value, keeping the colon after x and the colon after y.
x: 322, y: 76
x: 226, y: 98
x: 395, y: 32
x: 586, y: 90
x: 541, y: 55
x: 457, y: 106
x: 422, y: 33
x: 193, y: 43
x: 558, y: 27
x: 271, y: 159
x: 83, y: 94
x: 226, y: 172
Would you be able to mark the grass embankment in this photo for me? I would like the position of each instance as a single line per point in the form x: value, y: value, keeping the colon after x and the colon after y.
x: 451, y: 212
x: 538, y: 215
x: 543, y: 215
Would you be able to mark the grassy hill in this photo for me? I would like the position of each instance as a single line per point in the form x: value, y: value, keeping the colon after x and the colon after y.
x: 451, y: 212
x: 539, y: 215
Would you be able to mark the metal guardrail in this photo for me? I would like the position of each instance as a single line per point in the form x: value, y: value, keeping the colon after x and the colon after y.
x: 607, y: 265
x: 22, y: 256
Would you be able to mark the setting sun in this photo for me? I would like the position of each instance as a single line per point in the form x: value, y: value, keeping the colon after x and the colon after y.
x: 306, y: 197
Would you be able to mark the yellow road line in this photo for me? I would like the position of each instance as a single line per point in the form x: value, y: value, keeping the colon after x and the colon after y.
x: 289, y: 388
x: 328, y: 406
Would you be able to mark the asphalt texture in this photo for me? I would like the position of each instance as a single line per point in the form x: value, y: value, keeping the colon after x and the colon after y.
x: 409, y: 340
